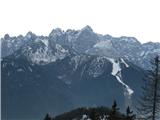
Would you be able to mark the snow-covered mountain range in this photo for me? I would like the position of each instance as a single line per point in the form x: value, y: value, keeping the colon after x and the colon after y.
x: 84, y: 41
x: 69, y: 69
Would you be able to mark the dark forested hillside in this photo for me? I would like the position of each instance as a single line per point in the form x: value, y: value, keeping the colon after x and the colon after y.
x: 94, y: 113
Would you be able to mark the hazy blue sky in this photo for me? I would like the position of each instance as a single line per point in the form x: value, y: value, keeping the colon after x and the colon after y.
x: 138, y: 18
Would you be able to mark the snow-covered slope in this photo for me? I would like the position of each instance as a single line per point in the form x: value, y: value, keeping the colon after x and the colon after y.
x: 104, y: 48
x: 41, y: 51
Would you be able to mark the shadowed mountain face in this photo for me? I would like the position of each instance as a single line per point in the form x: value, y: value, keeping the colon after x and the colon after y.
x: 68, y: 70
x: 30, y: 89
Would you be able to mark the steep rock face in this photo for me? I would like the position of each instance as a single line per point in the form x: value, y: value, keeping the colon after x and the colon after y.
x: 79, y: 40
x: 11, y: 44
x: 85, y: 40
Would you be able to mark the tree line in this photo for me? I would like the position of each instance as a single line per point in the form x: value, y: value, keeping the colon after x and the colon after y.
x: 99, y: 114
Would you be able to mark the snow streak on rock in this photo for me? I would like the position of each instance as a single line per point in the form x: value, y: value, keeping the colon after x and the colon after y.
x: 124, y: 63
x: 116, y: 71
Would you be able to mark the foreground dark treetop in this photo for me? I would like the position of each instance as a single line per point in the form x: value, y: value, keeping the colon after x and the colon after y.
x: 94, y: 113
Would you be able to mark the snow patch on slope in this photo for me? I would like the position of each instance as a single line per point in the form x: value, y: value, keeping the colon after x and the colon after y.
x: 42, y: 55
x: 116, y: 67
x: 45, y: 41
x: 122, y: 60
x: 97, y: 66
x: 103, y: 44
x: 116, y: 71
x: 45, y: 55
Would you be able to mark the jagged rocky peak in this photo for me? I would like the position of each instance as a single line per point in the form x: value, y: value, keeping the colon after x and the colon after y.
x: 129, y: 39
x: 30, y: 35
x: 6, y: 36
x: 108, y: 36
x: 10, y: 38
x: 86, y: 41
x: 56, y: 32
x: 87, y: 28
x: 151, y: 45
x: 71, y: 32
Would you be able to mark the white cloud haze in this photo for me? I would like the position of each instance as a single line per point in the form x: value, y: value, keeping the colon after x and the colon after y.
x: 138, y: 18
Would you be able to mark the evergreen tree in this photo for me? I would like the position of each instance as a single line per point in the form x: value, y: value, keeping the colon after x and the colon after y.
x: 113, y: 115
x: 149, y: 103
x: 129, y: 114
x: 114, y: 108
x: 47, y: 117
x: 94, y: 115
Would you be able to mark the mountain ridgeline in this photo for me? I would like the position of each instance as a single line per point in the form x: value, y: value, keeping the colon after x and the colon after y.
x: 70, y: 69
x: 84, y: 41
